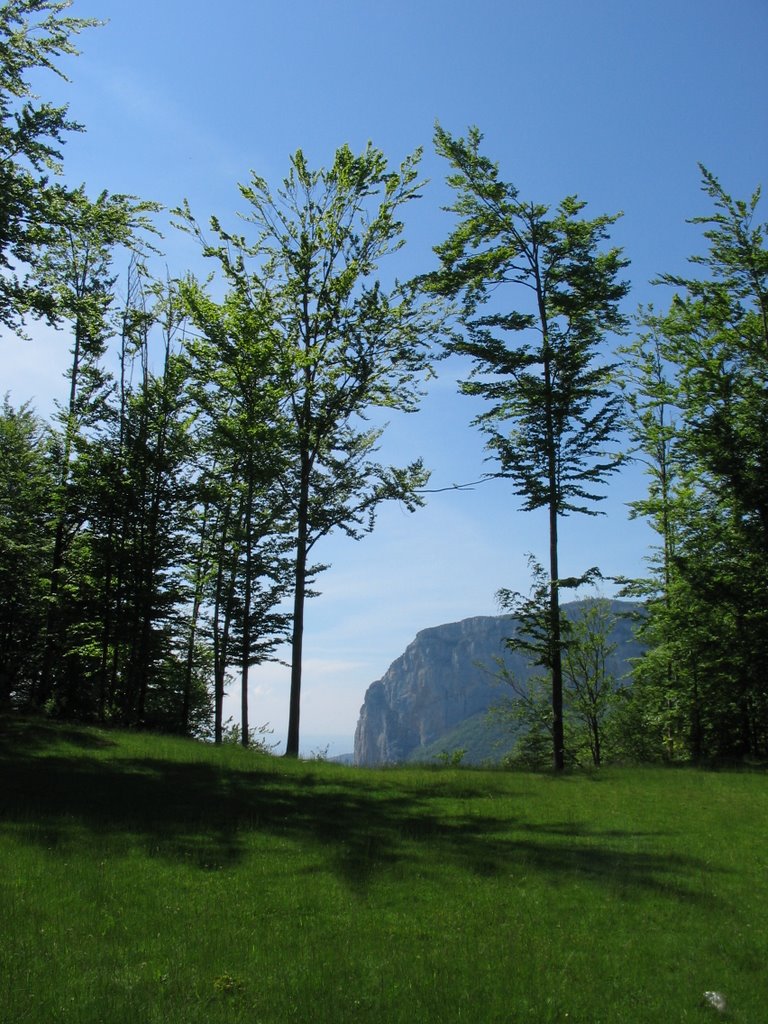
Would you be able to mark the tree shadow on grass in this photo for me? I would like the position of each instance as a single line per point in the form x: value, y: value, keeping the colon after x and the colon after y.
x: 207, y: 816
x: 21, y: 736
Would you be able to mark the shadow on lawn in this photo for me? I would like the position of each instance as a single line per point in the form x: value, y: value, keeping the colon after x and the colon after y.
x: 21, y: 736
x: 206, y: 815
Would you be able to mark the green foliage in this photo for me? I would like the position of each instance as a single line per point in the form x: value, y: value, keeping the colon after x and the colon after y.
x: 258, y: 737
x: 590, y: 685
x: 34, y: 35
x: 698, y: 405
x: 77, y: 267
x: 451, y: 758
x: 121, y: 540
x: 150, y: 542
x: 534, y: 636
x: 592, y: 676
x: 528, y: 716
x: 245, y: 449
x: 484, y: 742
x: 553, y: 413
x: 580, y: 646
x: 228, y: 985
x: 26, y: 513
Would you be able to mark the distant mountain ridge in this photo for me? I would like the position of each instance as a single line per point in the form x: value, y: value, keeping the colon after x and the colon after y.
x: 436, y: 694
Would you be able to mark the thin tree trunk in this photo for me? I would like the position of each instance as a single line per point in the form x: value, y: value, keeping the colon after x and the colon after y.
x: 45, y: 683
x: 221, y: 629
x: 696, y: 744
x: 105, y: 635
x: 297, y: 637
x: 197, y: 601
x: 558, y: 732
x: 186, y: 697
x: 246, y: 645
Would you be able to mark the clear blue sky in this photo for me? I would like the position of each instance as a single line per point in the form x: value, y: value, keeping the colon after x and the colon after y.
x: 614, y: 100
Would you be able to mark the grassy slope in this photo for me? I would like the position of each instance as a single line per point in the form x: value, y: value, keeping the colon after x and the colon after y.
x: 150, y: 880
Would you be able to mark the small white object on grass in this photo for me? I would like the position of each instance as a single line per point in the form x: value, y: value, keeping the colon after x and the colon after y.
x: 716, y: 1000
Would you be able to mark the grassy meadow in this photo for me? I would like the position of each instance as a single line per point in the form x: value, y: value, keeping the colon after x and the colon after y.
x: 159, y: 881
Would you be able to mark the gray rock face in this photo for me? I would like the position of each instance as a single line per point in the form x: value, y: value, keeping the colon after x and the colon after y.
x: 445, y: 676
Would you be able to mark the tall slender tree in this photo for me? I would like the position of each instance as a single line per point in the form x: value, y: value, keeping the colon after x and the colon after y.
x: 246, y: 449
x: 653, y: 431
x: 553, y: 414
x: 344, y: 344
x: 590, y: 684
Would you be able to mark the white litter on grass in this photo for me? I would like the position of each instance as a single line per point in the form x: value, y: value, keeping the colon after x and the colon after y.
x: 715, y: 1000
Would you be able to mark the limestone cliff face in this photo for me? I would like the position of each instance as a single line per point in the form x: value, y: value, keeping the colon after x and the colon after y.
x: 444, y: 677
x: 447, y: 675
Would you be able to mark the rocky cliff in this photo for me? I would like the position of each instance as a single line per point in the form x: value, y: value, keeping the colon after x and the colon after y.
x: 445, y: 677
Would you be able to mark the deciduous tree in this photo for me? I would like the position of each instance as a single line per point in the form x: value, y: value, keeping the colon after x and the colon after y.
x: 245, y: 454
x: 344, y: 343
x: 34, y: 35
x: 538, y: 360
x: 76, y: 269
x: 26, y: 538
x: 714, y: 625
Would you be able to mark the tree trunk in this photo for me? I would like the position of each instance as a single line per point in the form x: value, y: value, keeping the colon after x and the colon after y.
x: 186, y: 697
x: 297, y: 636
x: 221, y: 635
x: 45, y: 683
x: 558, y: 732
x: 246, y: 647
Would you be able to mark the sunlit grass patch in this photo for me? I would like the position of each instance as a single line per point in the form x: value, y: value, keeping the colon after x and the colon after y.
x: 151, y: 879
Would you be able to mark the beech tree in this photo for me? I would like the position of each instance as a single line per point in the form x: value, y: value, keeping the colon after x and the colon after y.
x: 77, y: 272
x: 590, y: 683
x: 712, y: 625
x: 584, y: 647
x: 343, y: 344
x: 244, y: 453
x: 553, y: 414
x: 157, y: 459
x: 661, y: 691
x: 34, y: 34
x: 26, y: 485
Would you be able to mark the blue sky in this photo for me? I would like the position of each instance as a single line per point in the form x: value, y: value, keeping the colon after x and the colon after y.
x: 617, y: 101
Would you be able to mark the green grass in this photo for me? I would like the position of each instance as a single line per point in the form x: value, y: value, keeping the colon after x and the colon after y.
x: 151, y: 880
